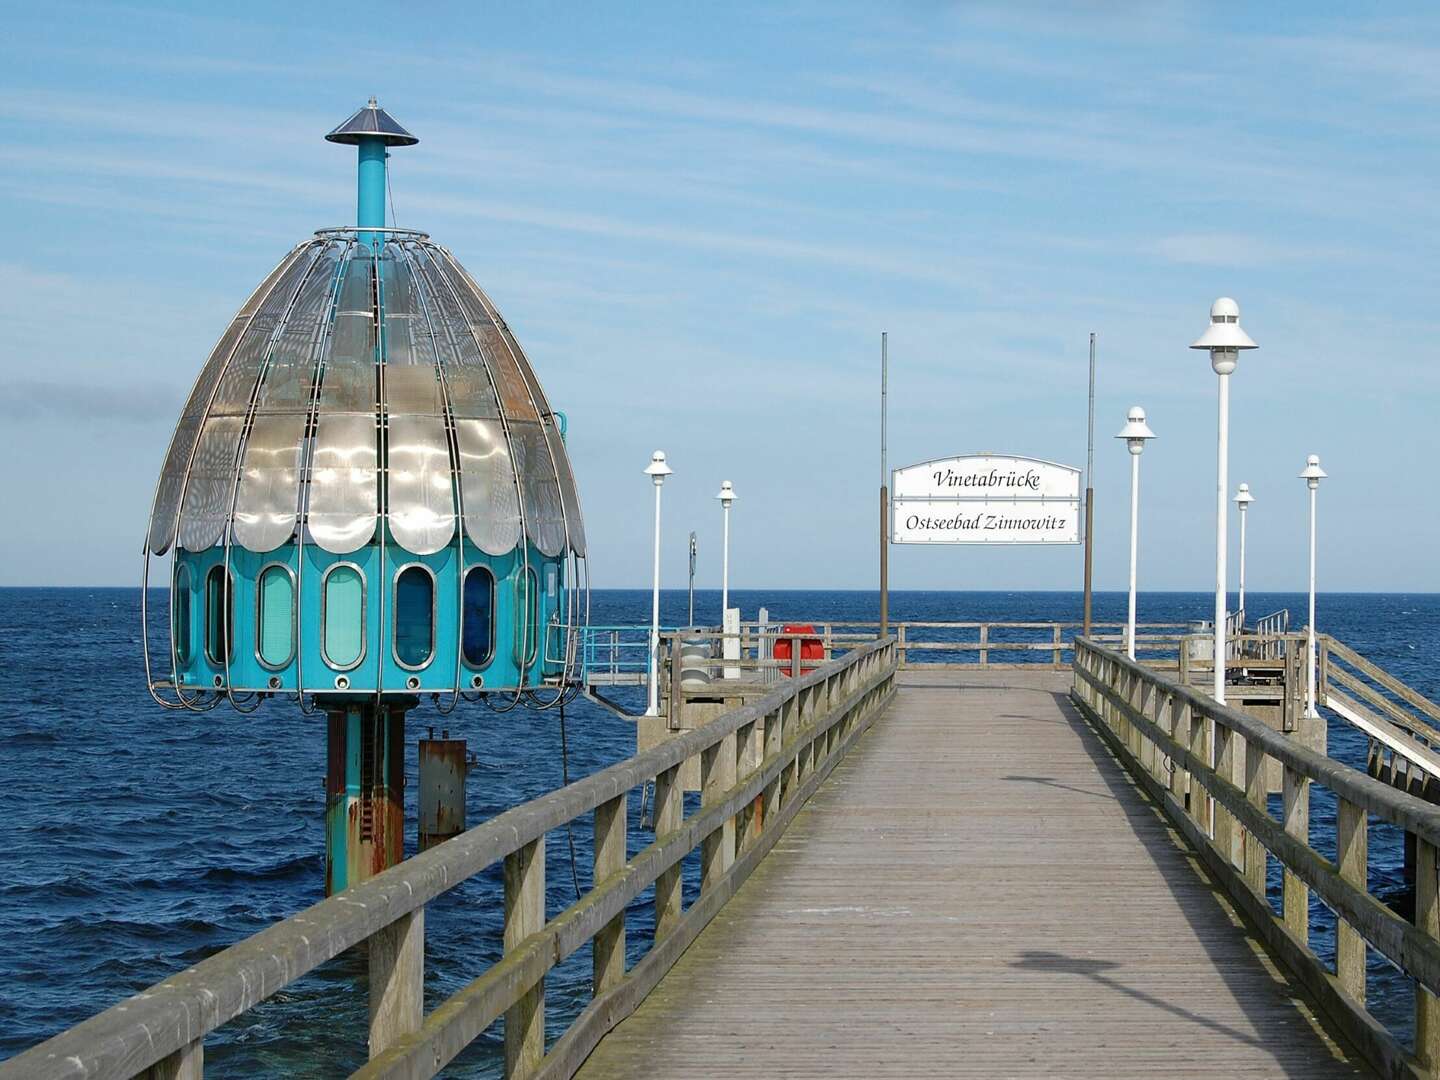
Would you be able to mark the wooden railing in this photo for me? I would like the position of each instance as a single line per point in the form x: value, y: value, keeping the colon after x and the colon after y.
x: 982, y: 640
x: 758, y: 765
x: 1403, y: 726
x: 1205, y: 764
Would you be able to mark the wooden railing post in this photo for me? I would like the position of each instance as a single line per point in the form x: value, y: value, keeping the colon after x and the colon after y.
x: 608, y: 953
x: 717, y: 776
x: 1296, y: 795
x: 770, y: 797
x: 1255, y: 857
x: 1227, y: 838
x: 187, y: 1063
x: 1352, y: 857
x: 1322, y: 680
x: 1055, y: 660
x: 677, y: 693
x: 984, y: 640
x: 397, y: 980
x: 900, y: 644
x: 669, y: 814
x: 1427, y: 919
x: 525, y: 915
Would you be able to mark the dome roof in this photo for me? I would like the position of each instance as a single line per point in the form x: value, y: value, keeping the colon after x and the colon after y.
x: 366, y: 382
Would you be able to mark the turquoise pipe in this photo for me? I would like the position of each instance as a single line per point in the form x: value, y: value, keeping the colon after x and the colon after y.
x: 370, y: 195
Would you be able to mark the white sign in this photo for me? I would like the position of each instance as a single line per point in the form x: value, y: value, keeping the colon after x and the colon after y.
x: 985, y: 499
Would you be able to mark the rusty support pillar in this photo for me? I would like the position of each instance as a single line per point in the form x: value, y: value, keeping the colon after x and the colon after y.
x: 442, y: 789
x: 364, y: 792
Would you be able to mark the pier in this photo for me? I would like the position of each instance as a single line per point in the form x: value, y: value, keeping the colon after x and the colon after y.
x: 918, y: 868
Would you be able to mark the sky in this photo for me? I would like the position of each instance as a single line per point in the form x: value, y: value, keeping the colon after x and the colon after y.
x: 700, y: 219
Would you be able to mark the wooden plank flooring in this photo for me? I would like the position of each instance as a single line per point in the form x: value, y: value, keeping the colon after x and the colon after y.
x: 977, y: 891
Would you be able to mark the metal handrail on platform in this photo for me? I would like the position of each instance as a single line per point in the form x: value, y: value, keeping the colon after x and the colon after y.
x: 758, y: 765
x: 1206, y: 764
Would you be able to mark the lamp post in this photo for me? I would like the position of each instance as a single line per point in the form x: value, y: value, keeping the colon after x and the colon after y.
x: 1224, y: 339
x: 1312, y: 475
x: 1243, y: 499
x: 657, y: 470
x: 1135, y: 433
x: 727, y: 496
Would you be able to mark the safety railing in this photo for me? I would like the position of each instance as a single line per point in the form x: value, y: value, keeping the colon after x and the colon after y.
x: 1008, y: 644
x: 758, y: 765
x: 1206, y: 765
x: 1402, y: 725
x: 615, y: 655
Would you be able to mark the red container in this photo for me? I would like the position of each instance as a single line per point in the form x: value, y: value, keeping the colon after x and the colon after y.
x: 811, y: 648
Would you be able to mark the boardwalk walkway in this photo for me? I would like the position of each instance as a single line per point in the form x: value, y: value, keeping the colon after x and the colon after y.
x: 978, y: 890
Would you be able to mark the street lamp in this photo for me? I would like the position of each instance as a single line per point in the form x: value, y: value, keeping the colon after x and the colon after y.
x: 1135, y: 433
x: 657, y: 470
x: 1243, y: 499
x: 1312, y: 475
x: 1224, y: 339
x: 727, y: 496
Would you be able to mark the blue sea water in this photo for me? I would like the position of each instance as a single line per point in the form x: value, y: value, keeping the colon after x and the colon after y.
x: 140, y: 841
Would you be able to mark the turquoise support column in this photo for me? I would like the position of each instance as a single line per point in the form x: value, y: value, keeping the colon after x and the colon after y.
x: 370, y: 195
x: 364, y: 792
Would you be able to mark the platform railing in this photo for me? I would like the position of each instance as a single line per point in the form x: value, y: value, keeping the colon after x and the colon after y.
x: 758, y: 765
x: 1206, y: 765
x: 1402, y: 725
x: 932, y: 644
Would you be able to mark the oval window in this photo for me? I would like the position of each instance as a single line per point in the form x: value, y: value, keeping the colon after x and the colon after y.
x: 477, y: 639
x: 414, y: 617
x: 527, y: 627
x: 180, y: 630
x: 343, y: 616
x: 219, y: 617
x: 275, y: 620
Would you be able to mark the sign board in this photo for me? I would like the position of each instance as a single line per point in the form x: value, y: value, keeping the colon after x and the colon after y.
x: 985, y: 499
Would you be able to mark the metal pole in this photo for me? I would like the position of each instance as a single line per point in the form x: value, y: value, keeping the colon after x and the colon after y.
x: 884, y: 485
x: 1090, y: 494
x: 1310, y: 712
x: 1243, y: 516
x: 1134, y: 548
x: 692, y: 580
x: 725, y: 565
x: 1221, y: 499
x: 653, y: 709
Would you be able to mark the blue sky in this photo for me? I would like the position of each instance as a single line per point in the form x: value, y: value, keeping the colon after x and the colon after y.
x: 699, y: 220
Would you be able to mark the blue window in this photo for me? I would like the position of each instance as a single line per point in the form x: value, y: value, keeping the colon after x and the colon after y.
x: 275, y: 616
x: 219, y: 617
x: 414, y: 617
x: 181, y: 630
x: 343, y: 616
x: 477, y: 635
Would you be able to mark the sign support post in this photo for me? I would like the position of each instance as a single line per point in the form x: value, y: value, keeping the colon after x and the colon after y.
x: 884, y: 486
x: 1090, y: 495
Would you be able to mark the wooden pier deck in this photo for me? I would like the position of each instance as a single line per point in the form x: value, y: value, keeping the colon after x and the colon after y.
x: 978, y: 889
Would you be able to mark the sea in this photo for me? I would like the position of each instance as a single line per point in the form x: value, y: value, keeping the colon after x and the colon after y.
x: 141, y: 841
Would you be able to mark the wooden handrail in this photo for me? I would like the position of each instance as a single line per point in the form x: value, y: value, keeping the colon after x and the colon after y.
x: 1205, y: 762
x: 759, y: 763
x: 1340, y: 651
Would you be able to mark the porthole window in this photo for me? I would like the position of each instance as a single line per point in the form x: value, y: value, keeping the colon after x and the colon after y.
x: 477, y: 632
x: 180, y: 624
x: 414, y: 617
x: 528, y: 626
x: 219, y: 617
x: 275, y: 616
x: 343, y: 616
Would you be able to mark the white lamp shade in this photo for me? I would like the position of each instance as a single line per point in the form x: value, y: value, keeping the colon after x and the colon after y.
x: 1224, y: 330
